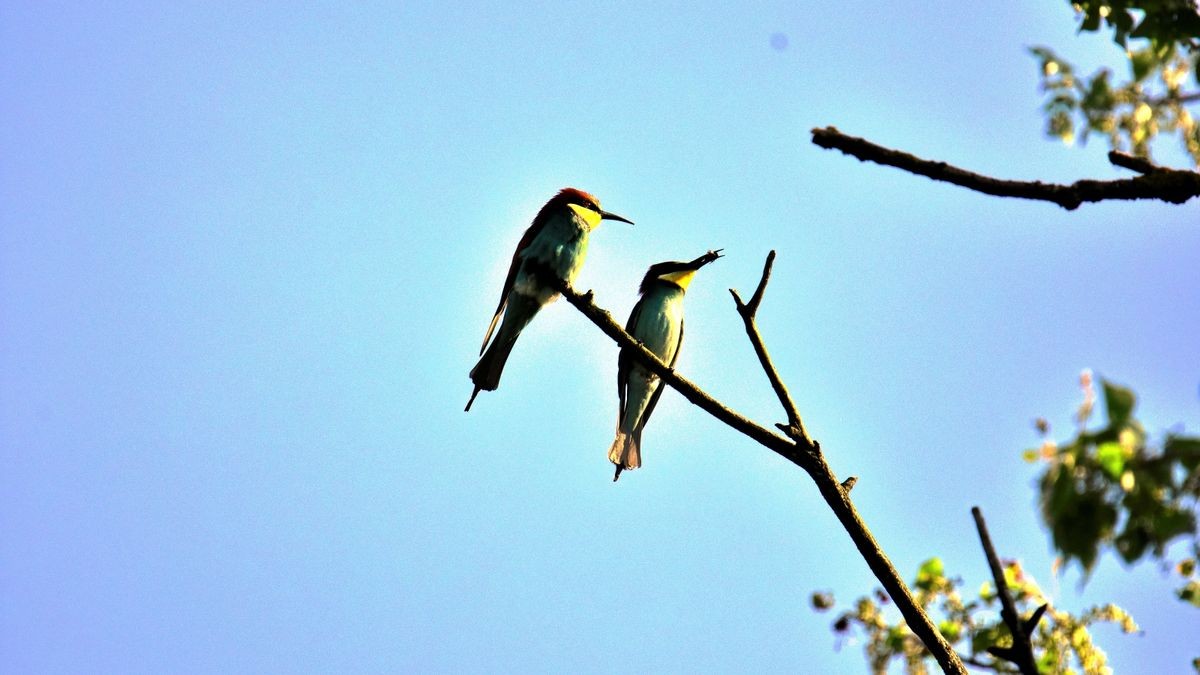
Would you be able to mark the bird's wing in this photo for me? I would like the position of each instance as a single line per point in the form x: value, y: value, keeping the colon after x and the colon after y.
x: 625, y: 361
x: 526, y: 240
x: 659, y: 389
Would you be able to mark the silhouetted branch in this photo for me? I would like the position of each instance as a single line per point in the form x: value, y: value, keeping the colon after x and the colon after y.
x: 1128, y: 161
x: 794, y: 427
x: 798, y: 450
x: 1190, y: 97
x: 1021, y: 651
x: 1169, y: 185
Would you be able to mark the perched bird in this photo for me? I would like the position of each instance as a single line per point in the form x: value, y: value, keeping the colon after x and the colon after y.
x: 555, y: 243
x: 656, y: 322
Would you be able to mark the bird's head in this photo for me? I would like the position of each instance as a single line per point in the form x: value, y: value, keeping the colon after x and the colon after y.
x: 585, y: 207
x: 676, y: 273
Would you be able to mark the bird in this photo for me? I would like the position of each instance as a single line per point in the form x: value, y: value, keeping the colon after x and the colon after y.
x: 657, y: 322
x: 555, y: 243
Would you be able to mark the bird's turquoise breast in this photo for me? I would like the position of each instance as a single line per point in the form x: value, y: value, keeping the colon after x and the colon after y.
x: 660, y: 320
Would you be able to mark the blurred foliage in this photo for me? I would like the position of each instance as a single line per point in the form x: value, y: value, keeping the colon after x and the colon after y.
x: 1163, y: 83
x: 1160, y: 21
x: 1062, y: 641
x: 1108, y: 487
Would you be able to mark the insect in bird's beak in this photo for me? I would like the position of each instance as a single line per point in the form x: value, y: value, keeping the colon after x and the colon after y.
x: 707, y: 258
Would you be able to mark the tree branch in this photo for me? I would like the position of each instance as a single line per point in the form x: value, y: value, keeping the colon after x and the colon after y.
x: 807, y: 456
x: 1128, y: 161
x: 794, y: 427
x: 994, y: 666
x: 1021, y: 652
x: 1190, y: 97
x: 1169, y: 185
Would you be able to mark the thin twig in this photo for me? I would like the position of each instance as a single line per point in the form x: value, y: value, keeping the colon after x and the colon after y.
x: 813, y: 463
x: 1190, y: 97
x: 994, y: 666
x: 1169, y: 185
x: 748, y: 311
x: 1021, y: 652
x: 1128, y: 161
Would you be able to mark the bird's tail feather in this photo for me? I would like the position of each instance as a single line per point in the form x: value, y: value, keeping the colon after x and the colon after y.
x: 486, y: 373
x: 626, y: 452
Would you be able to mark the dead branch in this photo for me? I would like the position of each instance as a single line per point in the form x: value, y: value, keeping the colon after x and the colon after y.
x: 794, y: 427
x: 1169, y: 185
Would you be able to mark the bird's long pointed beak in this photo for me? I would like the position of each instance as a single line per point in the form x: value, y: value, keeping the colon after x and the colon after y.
x: 605, y: 215
x: 705, y: 259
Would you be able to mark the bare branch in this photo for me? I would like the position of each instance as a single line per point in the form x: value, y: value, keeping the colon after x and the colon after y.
x: 806, y: 457
x: 1190, y: 97
x: 794, y: 427
x: 1128, y: 161
x: 1169, y: 185
x: 1021, y: 652
x: 756, y: 299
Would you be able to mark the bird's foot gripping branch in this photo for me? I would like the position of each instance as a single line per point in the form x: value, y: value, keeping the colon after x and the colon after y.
x: 796, y: 446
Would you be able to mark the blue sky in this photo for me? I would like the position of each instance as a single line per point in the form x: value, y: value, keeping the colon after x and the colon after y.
x: 247, y: 255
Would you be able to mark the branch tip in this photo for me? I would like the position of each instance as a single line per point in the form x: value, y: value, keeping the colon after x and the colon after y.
x: 1128, y: 161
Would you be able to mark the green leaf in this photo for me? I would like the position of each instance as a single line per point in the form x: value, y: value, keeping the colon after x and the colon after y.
x: 1143, y: 63
x: 930, y: 572
x: 1079, y: 518
x: 1123, y: 21
x: 1170, y: 522
x: 1186, y: 567
x: 1133, y: 542
x: 1099, y: 94
x: 1048, y: 662
x: 996, y: 635
x: 1119, y: 402
x: 1185, y: 450
x: 1111, y: 457
x: 822, y: 601
x: 951, y: 630
x: 1043, y: 53
x: 1191, y: 593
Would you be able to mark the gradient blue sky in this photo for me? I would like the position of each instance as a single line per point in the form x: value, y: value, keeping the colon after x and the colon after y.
x: 247, y: 254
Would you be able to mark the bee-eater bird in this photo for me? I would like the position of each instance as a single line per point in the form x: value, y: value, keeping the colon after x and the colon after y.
x: 555, y: 243
x: 656, y: 322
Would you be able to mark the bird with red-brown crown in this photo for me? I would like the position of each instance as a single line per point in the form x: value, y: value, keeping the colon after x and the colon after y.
x: 555, y: 243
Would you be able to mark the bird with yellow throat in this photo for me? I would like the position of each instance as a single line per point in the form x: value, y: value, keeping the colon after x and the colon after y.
x: 556, y: 243
x: 656, y: 322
